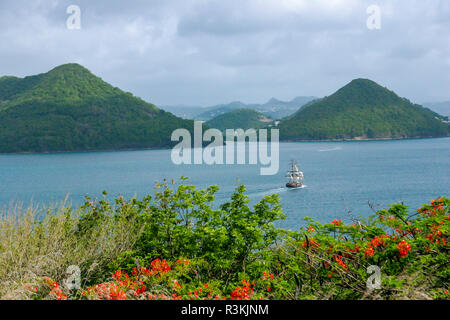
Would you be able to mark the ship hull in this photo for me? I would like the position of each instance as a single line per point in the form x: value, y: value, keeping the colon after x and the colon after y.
x: 294, y: 185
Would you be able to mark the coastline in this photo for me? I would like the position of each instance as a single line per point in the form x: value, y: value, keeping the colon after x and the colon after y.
x: 87, y: 151
x: 168, y: 147
x: 363, y: 139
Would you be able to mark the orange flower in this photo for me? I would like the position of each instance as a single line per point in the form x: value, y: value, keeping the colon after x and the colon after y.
x: 339, y: 260
x: 312, y: 243
x: 403, y: 248
x: 369, y: 252
x: 336, y: 222
x: 242, y: 293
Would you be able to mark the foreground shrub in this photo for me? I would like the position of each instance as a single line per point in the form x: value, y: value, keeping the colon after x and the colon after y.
x: 184, y: 223
x: 330, y: 260
x: 178, y: 245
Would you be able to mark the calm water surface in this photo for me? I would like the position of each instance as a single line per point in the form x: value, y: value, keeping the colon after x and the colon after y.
x: 339, y: 176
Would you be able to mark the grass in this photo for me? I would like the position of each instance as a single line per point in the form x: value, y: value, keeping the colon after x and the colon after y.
x: 38, y: 242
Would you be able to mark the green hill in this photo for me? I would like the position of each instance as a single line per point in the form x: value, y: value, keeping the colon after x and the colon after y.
x: 362, y: 110
x: 70, y: 109
x: 240, y: 119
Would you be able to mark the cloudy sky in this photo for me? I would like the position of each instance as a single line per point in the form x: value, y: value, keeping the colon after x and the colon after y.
x: 204, y: 52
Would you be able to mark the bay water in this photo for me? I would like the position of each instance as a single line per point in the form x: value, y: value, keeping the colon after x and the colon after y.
x: 341, y: 178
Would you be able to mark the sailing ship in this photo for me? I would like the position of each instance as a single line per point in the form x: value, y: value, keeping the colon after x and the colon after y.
x: 295, y: 176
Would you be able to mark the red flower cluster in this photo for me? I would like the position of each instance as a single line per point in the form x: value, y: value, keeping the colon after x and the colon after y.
x: 140, y: 271
x: 437, y: 207
x: 403, y: 248
x: 436, y: 235
x: 369, y: 252
x: 376, y: 242
x: 312, y: 243
x: 438, y: 204
x: 337, y: 222
x: 242, y: 293
x: 120, y: 287
x: 379, y: 241
x: 108, y: 291
x: 56, y: 290
x: 266, y: 276
x: 159, y: 266
x: 339, y: 260
x: 123, y: 287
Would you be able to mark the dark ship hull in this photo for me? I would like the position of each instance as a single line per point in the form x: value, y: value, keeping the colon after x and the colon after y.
x: 294, y: 185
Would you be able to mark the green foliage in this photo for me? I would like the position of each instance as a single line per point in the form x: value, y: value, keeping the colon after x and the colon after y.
x: 183, y: 223
x: 239, y: 253
x: 362, y: 109
x: 240, y: 119
x: 178, y: 245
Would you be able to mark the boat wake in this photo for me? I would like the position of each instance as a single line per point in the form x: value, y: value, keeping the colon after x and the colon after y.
x: 275, y: 190
x: 271, y: 191
x: 330, y: 149
x: 302, y: 187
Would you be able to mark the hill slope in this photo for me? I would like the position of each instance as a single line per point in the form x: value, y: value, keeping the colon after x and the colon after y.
x: 362, y: 109
x: 70, y: 109
x: 240, y: 119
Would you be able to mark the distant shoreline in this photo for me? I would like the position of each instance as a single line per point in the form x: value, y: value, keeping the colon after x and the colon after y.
x: 165, y: 148
x: 89, y: 151
x: 363, y: 139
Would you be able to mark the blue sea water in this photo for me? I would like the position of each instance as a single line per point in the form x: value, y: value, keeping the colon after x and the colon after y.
x: 339, y: 176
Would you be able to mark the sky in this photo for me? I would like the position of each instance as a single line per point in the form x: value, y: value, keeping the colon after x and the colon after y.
x: 206, y: 52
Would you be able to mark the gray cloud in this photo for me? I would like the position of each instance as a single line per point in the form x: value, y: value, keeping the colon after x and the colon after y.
x: 210, y: 51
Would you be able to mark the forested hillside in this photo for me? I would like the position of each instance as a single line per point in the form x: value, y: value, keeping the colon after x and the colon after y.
x: 363, y: 109
x: 70, y: 109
